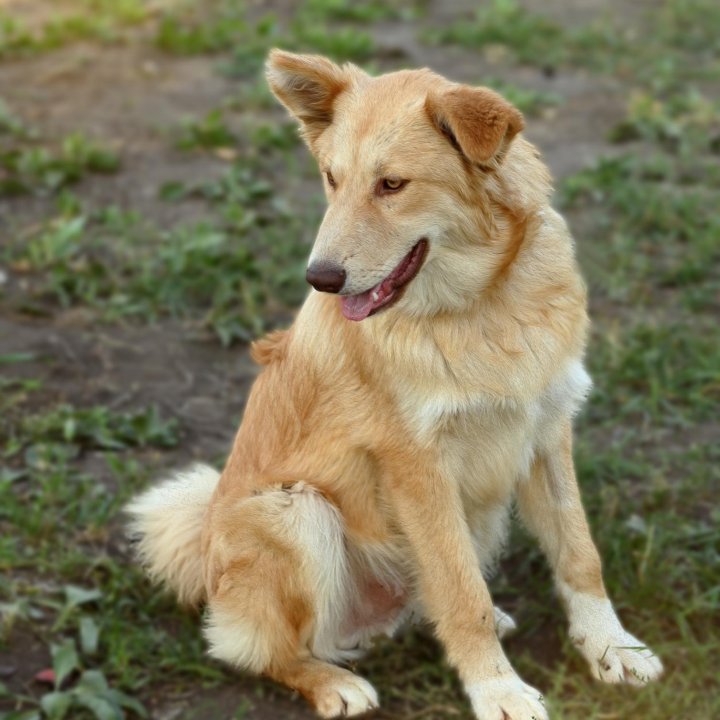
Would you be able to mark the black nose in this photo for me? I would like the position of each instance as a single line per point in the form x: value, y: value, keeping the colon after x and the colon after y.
x: 326, y: 277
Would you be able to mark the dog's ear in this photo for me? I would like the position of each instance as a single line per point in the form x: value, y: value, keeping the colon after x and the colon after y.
x: 477, y: 121
x: 307, y: 86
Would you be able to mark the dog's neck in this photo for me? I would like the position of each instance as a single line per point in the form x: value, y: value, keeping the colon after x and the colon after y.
x: 497, y: 310
x: 507, y: 343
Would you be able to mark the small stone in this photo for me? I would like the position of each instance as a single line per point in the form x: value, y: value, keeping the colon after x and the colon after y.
x: 227, y: 154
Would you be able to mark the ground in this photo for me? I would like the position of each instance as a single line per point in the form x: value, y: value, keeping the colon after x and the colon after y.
x: 156, y: 209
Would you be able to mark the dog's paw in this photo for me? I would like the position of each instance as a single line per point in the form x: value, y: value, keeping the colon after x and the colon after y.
x: 618, y: 657
x: 614, y: 655
x: 506, y: 699
x: 346, y: 695
x: 504, y: 624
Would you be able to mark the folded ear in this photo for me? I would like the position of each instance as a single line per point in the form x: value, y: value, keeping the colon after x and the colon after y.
x: 307, y: 86
x: 478, y: 121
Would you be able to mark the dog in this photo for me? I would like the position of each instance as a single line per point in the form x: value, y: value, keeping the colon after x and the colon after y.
x: 429, y: 380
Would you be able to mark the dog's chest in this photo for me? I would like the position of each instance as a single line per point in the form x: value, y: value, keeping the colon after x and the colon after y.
x: 487, y: 443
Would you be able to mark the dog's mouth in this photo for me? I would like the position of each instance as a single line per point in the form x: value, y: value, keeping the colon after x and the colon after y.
x: 358, y: 307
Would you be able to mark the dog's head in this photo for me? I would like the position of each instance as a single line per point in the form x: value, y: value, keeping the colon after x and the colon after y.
x: 403, y: 158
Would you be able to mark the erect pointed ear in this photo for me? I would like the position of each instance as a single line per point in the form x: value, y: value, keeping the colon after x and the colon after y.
x: 478, y: 121
x: 307, y: 86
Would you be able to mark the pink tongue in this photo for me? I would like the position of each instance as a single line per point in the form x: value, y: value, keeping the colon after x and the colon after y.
x: 358, y: 307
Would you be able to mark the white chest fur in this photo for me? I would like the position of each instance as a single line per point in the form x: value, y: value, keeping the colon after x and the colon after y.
x: 487, y: 443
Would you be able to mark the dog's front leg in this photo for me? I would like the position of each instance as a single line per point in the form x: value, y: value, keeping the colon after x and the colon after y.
x: 453, y: 592
x: 551, y: 506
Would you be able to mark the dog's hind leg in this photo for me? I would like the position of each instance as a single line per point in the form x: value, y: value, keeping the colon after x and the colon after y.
x: 280, y: 590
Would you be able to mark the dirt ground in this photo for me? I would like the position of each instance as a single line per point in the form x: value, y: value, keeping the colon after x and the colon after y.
x: 130, y: 95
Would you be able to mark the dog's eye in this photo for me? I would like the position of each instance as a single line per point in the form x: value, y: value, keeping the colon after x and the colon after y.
x: 391, y: 185
x: 330, y: 179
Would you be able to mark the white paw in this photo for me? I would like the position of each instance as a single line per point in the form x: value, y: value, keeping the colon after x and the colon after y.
x: 506, y: 699
x: 345, y: 696
x: 614, y: 655
x: 504, y: 624
x: 618, y: 657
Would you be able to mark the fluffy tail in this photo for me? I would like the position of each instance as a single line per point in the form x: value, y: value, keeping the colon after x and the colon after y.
x: 166, y: 521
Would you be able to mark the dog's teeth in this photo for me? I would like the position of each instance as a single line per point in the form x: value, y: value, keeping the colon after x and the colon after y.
x: 375, y: 296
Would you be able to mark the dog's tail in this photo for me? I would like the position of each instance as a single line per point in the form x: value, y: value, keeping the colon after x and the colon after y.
x: 166, y: 522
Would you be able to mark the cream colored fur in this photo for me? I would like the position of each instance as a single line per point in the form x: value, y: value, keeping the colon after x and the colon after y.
x: 167, y: 521
x: 371, y: 479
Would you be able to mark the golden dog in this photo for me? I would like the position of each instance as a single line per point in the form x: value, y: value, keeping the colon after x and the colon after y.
x: 431, y: 380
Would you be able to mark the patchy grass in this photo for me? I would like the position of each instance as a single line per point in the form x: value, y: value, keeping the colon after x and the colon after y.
x: 269, y: 137
x: 93, y: 428
x: 199, y: 271
x: 674, y: 44
x: 343, y: 43
x: 40, y: 496
x: 12, y: 125
x: 660, y: 237
x: 530, y: 101
x: 28, y: 169
x: 653, y: 384
x: 193, y: 29
x: 209, y: 132
x: 199, y: 30
x: 96, y: 20
x: 646, y: 448
x: 682, y: 119
x: 529, y: 36
x: 62, y: 575
x: 231, y: 278
x: 366, y: 11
